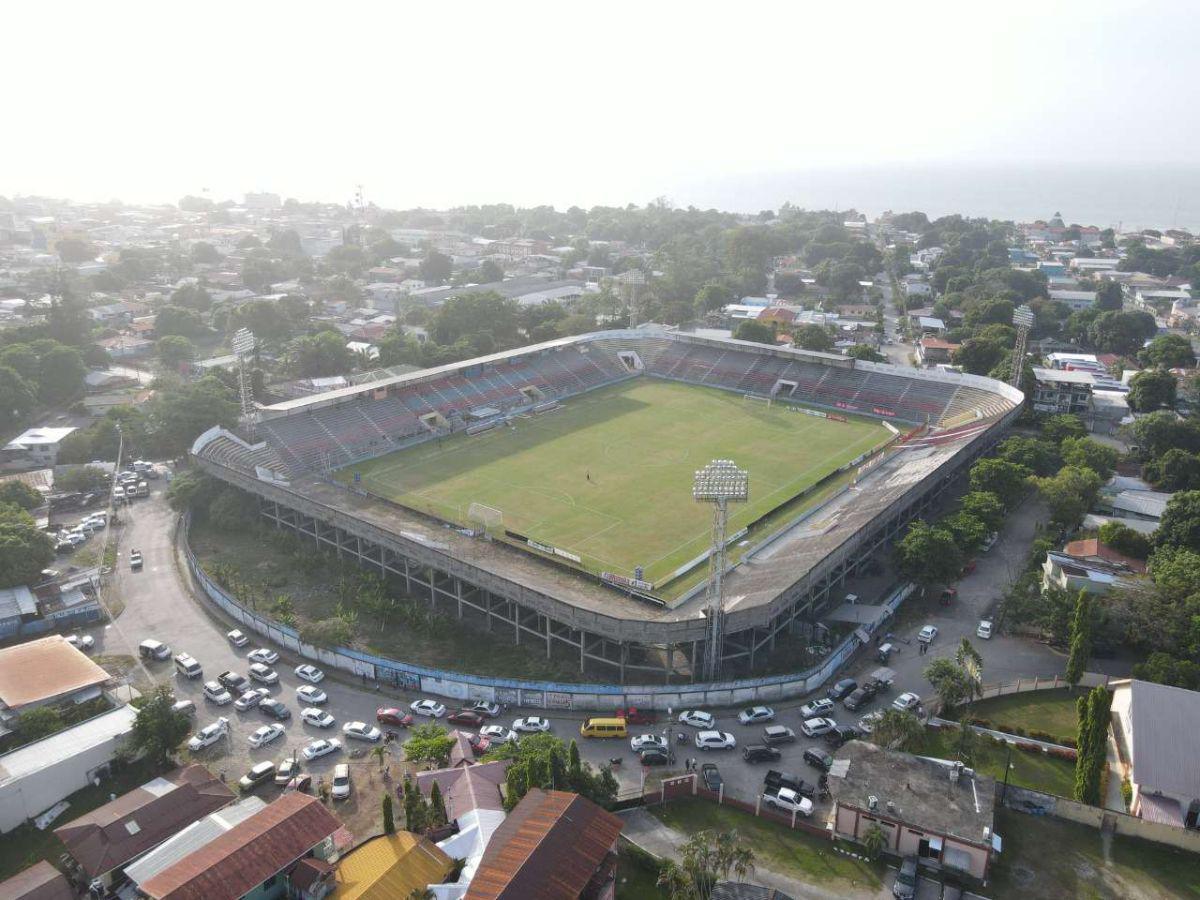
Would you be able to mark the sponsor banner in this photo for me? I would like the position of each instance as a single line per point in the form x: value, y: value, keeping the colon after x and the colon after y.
x: 835, y: 417
x: 842, y: 404
x: 880, y: 411
x: 736, y: 536
x: 510, y: 696
x: 538, y: 545
x: 573, y: 557
x: 557, y: 700
x: 638, y: 701
x: 533, y: 698
x: 622, y: 581
x: 445, y: 687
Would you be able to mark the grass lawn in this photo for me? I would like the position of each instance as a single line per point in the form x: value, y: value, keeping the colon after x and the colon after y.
x: 609, y: 475
x: 1050, y: 711
x: 1031, y: 770
x: 25, y: 845
x: 1046, y: 857
x: 776, y: 847
x: 637, y: 876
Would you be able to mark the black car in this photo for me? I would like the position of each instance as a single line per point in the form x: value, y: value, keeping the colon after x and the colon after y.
x: 907, y: 879
x: 655, y: 756
x: 711, y: 776
x: 815, y: 756
x: 778, y: 734
x: 843, y: 688
x: 275, y: 709
x: 861, y: 696
x: 841, y: 734
x: 760, y: 753
x: 237, y: 684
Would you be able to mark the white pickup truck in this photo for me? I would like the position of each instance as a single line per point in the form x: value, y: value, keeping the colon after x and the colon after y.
x: 788, y: 801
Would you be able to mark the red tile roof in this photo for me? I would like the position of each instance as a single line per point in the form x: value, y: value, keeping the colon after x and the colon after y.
x: 41, y: 881
x: 553, y: 846
x: 933, y: 343
x: 249, y: 853
x: 1090, y: 548
x: 135, y: 822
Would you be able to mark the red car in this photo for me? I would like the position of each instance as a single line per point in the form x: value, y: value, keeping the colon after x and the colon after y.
x: 478, y: 742
x: 635, y: 716
x: 392, y: 716
x: 466, y: 717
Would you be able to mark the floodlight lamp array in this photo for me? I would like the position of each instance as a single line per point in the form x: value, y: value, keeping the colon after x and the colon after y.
x: 720, y: 480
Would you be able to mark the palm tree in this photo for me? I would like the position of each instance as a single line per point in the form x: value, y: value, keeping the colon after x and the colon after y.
x: 968, y: 659
x: 675, y: 882
x: 743, y: 862
x: 873, y: 841
x: 379, y: 752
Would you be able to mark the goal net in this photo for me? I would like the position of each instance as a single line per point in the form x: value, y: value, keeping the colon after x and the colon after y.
x: 754, y: 398
x: 487, y: 516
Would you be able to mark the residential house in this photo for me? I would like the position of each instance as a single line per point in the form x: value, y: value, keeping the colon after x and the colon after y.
x: 124, y: 346
x: 109, y: 838
x: 932, y: 351
x: 1076, y: 300
x: 1150, y: 723
x: 476, y: 807
x: 39, y: 775
x: 41, y: 881
x: 1060, y: 391
x: 392, y: 865
x: 1091, y: 265
x: 284, y: 850
x: 554, y: 845
x: 937, y: 811
x: 36, y: 447
x: 1090, y: 565
x: 44, y: 672
x: 1146, y: 506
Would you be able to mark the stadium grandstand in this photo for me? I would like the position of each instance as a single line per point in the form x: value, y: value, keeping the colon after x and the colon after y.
x: 308, y: 461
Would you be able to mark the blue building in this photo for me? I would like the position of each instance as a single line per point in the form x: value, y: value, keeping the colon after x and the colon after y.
x: 18, y: 608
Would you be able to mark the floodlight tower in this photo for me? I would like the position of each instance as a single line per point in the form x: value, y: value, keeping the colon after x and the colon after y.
x: 720, y: 483
x: 1023, y: 320
x: 631, y: 281
x: 243, y: 348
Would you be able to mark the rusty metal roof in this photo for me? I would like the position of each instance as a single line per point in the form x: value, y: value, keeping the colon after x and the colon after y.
x: 41, y: 881
x: 43, y: 669
x: 552, y: 846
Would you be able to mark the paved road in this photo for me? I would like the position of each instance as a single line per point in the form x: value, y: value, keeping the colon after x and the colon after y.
x: 159, y: 604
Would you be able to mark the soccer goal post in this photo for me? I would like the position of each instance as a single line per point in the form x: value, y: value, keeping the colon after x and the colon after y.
x: 755, y: 398
x: 487, y: 516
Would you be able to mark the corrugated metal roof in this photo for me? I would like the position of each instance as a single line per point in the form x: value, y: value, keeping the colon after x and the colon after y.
x: 16, y: 602
x: 45, y: 668
x: 41, y: 881
x: 551, y: 847
x: 467, y: 788
x: 192, y: 838
x: 391, y: 866
x: 1162, y: 719
x: 66, y: 744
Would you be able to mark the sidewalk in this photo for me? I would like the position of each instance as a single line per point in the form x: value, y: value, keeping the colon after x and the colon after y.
x: 1112, y: 797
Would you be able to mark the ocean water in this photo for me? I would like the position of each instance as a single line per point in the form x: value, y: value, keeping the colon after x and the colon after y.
x: 1113, y: 196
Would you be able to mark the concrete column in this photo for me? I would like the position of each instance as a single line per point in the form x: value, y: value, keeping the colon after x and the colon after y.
x: 458, y: 593
x: 547, y: 620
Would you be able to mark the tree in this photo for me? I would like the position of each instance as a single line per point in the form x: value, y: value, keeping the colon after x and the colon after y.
x: 175, y: 349
x: 436, y: 267
x: 978, y: 356
x: 897, y: 730
x: 1151, y: 389
x: 188, y: 488
x: 158, y: 729
x: 1180, y: 523
x: 874, y: 841
x: 415, y: 807
x: 18, y: 493
x: 24, y: 549
x: 984, y: 506
x: 16, y: 397
x: 1125, y: 540
x: 389, y: 821
x: 74, y: 250
x: 1059, y: 427
x: 1109, y: 296
x: 1158, y: 432
x: 205, y: 254
x: 758, y: 332
x: 40, y: 722
x: 486, y: 319
x: 813, y: 337
x: 178, y: 415
x: 1175, y: 470
x: 61, y: 372
x: 322, y: 354
x: 1081, y: 638
x: 928, y: 554
x: 177, y: 320
x: 191, y: 296
x: 82, y: 478
x: 1069, y: 494
x: 430, y: 744
x: 1038, y: 456
x: 1006, y: 480
x: 949, y: 682
x: 969, y: 532
x: 710, y: 297
x: 1169, y: 351
x: 1089, y: 454
x: 1121, y: 332
x: 437, y: 807
x: 866, y: 353
x: 1091, y: 741
x: 1163, y: 668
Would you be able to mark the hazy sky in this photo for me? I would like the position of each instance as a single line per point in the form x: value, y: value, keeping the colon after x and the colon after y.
x: 439, y: 104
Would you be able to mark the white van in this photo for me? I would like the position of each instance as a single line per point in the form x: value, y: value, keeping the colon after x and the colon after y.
x: 143, y: 489
x: 187, y: 666
x: 341, y: 782
x: 118, y: 494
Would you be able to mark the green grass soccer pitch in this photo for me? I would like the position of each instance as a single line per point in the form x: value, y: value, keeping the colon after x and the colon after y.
x: 609, y: 475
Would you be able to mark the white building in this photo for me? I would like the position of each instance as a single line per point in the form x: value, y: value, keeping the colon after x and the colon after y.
x: 1093, y: 264
x: 1077, y: 300
x: 36, y: 447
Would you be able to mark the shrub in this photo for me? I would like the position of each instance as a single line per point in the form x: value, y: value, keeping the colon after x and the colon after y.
x: 1127, y: 792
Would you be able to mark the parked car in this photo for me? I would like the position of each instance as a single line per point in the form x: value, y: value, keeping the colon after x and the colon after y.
x: 316, y: 717
x: 842, y: 689
x: 215, y: 692
x: 907, y: 879
x: 84, y: 642
x: 860, y: 696
x: 815, y: 756
x: 286, y: 769
x: 486, y: 708
x: 340, y: 788
x: 184, y: 707
x: 655, y: 756
x: 237, y: 638
x: 760, y: 753
x: 816, y: 727
x: 641, y: 741
x: 264, y: 674
x: 715, y: 740
x: 697, y: 718
x: 927, y: 634
x: 187, y: 666
x: 309, y: 673
x: 531, y: 725
x: 867, y: 723
x: 711, y: 776
x: 389, y: 715
x: 754, y: 714
x: 264, y: 656
x: 209, y: 735
x: 775, y: 779
x: 311, y: 696
x: 321, y: 747
x: 261, y: 773
x: 984, y: 630
x: 135, y: 559
x: 778, y: 734
x: 152, y: 649
x: 906, y: 701
x: 236, y: 683
x: 275, y: 709
x: 788, y: 801
x: 264, y: 734
x: 841, y: 735
x: 498, y: 734
x: 361, y: 731
x: 430, y: 708
x: 634, y: 716
x: 251, y: 699
x: 816, y: 709
x: 466, y: 717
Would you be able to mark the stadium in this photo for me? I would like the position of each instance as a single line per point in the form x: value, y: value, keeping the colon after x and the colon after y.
x: 544, y: 494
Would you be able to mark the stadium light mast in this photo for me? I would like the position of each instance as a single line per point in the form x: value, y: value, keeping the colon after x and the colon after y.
x: 1023, y: 320
x: 720, y: 483
x: 631, y: 281
x: 243, y: 347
